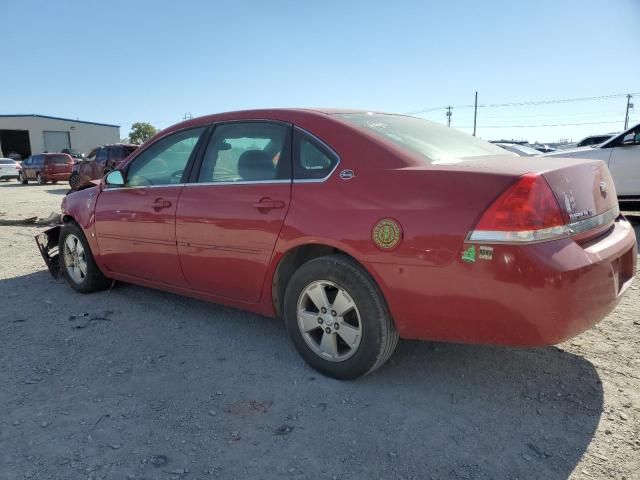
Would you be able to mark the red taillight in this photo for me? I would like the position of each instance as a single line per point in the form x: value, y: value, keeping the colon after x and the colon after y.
x: 526, y: 212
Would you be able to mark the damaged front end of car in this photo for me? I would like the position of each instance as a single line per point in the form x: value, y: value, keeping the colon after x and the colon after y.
x: 47, y: 242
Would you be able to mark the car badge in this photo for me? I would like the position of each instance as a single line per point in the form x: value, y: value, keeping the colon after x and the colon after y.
x: 387, y: 234
x: 347, y: 174
x: 569, y: 202
x: 603, y: 188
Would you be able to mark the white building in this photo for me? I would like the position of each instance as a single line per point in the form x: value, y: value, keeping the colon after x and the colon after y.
x: 32, y: 134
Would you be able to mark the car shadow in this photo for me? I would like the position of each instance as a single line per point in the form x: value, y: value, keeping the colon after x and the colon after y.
x: 434, y: 411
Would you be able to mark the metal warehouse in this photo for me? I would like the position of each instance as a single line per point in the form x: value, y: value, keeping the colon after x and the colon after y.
x: 32, y: 134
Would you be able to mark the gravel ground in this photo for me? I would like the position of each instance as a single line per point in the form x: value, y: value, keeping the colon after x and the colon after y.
x: 136, y: 383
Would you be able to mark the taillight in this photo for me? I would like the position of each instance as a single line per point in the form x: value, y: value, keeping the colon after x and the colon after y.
x: 526, y: 212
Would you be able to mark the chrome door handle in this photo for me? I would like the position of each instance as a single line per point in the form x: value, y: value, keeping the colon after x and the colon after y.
x: 268, y: 204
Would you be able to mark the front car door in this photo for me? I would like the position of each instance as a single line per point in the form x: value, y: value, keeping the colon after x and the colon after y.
x: 624, y: 164
x: 135, y: 224
x: 229, y: 217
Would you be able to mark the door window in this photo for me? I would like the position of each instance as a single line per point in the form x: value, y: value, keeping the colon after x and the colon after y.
x: 102, y: 155
x: 312, y: 160
x: 247, y: 152
x: 163, y: 163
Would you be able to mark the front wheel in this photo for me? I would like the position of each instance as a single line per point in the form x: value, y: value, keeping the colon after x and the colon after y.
x: 74, y: 180
x: 22, y: 179
x: 76, y: 261
x: 338, y: 319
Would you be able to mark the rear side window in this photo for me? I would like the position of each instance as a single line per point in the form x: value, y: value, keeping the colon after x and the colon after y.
x: 247, y: 152
x: 58, y: 159
x: 312, y: 160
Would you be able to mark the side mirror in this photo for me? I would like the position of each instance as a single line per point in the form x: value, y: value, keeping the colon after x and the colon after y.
x: 114, y: 178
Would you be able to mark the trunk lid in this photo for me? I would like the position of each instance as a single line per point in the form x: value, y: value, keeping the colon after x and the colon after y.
x: 583, y: 190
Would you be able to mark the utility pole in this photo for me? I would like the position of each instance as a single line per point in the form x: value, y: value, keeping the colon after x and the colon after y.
x: 449, y: 116
x: 475, y: 115
x: 626, y: 116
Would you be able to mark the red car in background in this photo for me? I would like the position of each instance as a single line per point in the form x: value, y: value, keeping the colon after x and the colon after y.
x: 99, y: 162
x: 46, y: 167
x: 357, y: 228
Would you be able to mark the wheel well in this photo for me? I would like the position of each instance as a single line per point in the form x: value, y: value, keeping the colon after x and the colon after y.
x: 292, y: 260
x: 68, y: 219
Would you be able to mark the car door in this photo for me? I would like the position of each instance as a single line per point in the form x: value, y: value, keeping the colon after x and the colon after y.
x: 135, y: 223
x: 230, y: 215
x: 624, y: 164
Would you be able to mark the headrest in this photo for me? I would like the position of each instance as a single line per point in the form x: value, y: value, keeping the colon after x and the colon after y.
x: 256, y: 165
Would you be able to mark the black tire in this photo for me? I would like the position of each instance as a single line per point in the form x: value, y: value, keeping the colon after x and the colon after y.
x: 40, y: 179
x: 74, y: 180
x: 94, y: 279
x: 379, y: 336
x: 22, y: 179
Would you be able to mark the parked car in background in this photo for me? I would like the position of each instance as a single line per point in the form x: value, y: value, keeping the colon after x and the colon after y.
x: 542, y: 148
x: 74, y: 153
x: 518, y: 149
x: 594, y: 140
x: 99, y: 162
x: 622, y: 155
x: 46, y: 167
x: 356, y: 228
x: 9, y: 169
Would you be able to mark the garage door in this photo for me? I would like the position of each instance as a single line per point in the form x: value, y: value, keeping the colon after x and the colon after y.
x: 56, y: 141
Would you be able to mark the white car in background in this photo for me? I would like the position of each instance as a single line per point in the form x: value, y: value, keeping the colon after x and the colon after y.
x: 9, y: 169
x: 622, y: 155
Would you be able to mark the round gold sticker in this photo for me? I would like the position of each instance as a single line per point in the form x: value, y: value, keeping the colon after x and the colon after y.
x: 387, y: 234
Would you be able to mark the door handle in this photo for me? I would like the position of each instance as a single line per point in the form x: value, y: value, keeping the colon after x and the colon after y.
x: 268, y: 204
x: 160, y: 203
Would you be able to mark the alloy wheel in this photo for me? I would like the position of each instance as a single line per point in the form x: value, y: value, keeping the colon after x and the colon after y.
x: 329, y: 321
x: 75, y: 258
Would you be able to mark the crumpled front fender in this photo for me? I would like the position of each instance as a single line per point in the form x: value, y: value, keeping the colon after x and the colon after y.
x: 47, y: 242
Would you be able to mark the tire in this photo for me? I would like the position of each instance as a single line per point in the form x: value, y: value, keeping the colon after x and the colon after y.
x: 360, y: 314
x: 40, y: 179
x: 71, y: 239
x: 74, y: 180
x: 54, y: 181
x: 22, y: 179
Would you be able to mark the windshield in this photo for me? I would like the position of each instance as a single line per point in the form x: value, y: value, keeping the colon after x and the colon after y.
x: 432, y: 141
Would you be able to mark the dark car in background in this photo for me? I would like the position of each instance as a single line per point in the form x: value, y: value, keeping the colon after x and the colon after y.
x: 99, y: 162
x: 46, y: 167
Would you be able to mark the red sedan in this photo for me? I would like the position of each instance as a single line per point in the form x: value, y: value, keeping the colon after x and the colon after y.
x: 356, y: 228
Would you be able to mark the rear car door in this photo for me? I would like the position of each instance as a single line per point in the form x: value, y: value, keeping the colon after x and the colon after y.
x: 230, y: 215
x: 135, y: 224
x: 624, y: 164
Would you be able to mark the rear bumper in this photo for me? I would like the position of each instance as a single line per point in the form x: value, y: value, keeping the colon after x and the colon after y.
x: 8, y: 175
x: 539, y: 294
x: 56, y: 176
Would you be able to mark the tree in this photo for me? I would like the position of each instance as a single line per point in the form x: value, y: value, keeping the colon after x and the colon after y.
x: 141, y: 132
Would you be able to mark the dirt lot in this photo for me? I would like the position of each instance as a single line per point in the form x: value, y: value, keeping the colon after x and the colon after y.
x: 135, y: 383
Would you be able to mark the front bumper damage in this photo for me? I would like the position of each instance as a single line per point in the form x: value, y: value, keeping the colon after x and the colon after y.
x: 47, y: 242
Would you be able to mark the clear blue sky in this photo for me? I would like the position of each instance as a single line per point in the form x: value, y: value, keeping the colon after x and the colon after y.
x: 125, y: 61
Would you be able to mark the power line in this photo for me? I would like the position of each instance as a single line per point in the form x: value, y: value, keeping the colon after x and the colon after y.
x: 543, y: 125
x: 527, y: 103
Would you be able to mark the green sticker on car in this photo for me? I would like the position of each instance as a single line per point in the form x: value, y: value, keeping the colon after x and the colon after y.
x: 469, y: 255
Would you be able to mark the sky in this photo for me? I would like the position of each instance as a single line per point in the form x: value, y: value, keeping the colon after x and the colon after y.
x: 121, y: 62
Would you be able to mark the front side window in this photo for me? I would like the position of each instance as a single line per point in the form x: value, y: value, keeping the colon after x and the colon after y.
x: 59, y: 159
x: 312, y: 160
x: 102, y: 155
x: 163, y: 163
x: 247, y: 152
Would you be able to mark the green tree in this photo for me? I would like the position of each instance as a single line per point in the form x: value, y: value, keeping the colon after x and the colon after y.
x: 141, y: 132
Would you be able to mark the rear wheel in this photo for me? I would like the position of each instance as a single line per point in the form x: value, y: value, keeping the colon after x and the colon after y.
x: 338, y: 319
x: 40, y: 179
x: 76, y: 261
x: 74, y: 180
x: 22, y: 179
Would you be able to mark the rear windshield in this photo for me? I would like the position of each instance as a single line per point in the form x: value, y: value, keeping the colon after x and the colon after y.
x: 432, y: 141
x: 58, y: 159
x: 6, y: 162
